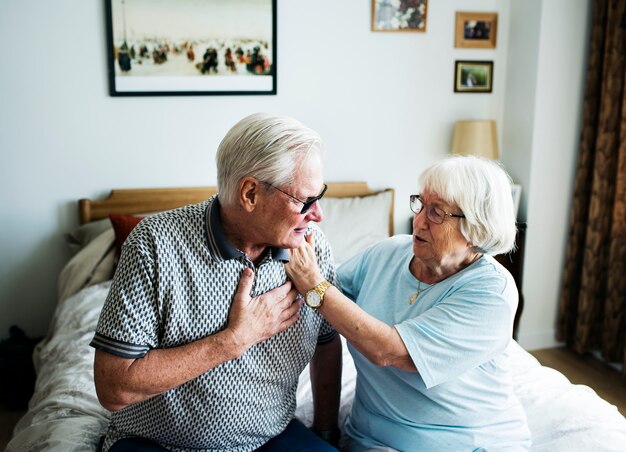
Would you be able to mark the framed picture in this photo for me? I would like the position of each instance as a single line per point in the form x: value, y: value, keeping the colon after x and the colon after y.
x: 191, y: 47
x: 476, y: 30
x: 399, y: 15
x: 473, y: 76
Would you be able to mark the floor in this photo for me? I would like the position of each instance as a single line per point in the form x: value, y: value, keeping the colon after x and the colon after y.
x: 7, y: 420
x: 587, y: 370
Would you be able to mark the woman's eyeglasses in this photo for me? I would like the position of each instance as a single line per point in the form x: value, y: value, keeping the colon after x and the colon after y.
x: 434, y: 214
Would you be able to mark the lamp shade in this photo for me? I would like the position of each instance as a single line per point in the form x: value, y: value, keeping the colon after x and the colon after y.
x: 475, y: 137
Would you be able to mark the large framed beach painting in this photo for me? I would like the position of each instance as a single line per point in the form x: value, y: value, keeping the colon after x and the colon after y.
x: 191, y: 47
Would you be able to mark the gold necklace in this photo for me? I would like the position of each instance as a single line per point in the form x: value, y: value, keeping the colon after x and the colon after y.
x: 417, y: 294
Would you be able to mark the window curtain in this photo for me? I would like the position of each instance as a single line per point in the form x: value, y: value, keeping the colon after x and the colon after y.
x: 592, y: 309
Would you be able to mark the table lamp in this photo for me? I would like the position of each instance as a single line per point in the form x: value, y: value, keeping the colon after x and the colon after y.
x: 475, y: 137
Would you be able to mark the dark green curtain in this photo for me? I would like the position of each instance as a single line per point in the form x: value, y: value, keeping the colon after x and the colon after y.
x: 592, y: 311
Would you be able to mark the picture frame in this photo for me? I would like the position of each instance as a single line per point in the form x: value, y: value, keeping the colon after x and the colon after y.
x: 191, y: 47
x: 399, y: 15
x: 476, y: 30
x: 473, y: 76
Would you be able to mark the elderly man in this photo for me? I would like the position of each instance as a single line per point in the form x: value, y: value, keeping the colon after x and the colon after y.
x: 192, y: 353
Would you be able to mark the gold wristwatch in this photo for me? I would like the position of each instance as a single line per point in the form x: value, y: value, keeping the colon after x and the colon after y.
x: 314, y: 298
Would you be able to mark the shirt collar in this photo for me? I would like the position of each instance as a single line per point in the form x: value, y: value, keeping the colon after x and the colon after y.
x: 219, y: 245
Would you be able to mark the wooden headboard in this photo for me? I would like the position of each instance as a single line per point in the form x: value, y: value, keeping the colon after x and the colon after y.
x: 143, y: 200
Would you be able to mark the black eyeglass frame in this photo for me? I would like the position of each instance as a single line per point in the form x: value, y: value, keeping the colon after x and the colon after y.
x: 306, y: 205
x: 412, y: 199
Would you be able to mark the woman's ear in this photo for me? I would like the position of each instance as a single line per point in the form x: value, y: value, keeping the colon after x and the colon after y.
x: 249, y: 193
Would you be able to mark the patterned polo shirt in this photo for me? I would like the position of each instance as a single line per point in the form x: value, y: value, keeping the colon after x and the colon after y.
x: 174, y: 284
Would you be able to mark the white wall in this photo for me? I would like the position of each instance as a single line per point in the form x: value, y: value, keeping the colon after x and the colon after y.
x: 556, y: 126
x: 383, y: 102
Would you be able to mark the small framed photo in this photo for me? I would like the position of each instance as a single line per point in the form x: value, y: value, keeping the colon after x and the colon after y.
x: 399, y: 15
x: 476, y: 30
x: 191, y: 47
x: 473, y: 76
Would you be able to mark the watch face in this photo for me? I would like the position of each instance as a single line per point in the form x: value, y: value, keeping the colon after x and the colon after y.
x: 313, y: 299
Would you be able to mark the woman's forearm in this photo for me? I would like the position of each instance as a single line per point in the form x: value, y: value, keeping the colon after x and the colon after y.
x: 377, y: 341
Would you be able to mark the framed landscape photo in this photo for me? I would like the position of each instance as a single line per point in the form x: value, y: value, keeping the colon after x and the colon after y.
x: 476, y: 30
x: 399, y: 15
x: 473, y: 76
x: 191, y: 47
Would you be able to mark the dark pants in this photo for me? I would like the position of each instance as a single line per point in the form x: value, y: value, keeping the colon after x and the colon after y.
x: 295, y: 437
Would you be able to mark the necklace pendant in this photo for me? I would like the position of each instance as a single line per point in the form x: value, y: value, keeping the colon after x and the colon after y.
x: 415, y: 296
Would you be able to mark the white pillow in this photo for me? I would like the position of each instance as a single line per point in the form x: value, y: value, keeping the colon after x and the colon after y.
x: 92, y: 264
x: 352, y: 224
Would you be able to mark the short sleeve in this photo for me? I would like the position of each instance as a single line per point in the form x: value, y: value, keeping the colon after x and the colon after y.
x: 128, y: 324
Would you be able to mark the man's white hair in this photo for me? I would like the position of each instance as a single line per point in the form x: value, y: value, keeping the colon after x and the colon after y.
x: 269, y: 148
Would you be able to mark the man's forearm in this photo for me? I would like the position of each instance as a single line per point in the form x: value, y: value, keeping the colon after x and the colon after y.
x: 326, y: 384
x: 121, y: 382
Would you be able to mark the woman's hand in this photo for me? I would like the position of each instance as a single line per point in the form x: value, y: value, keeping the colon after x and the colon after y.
x: 377, y: 341
x: 302, y: 268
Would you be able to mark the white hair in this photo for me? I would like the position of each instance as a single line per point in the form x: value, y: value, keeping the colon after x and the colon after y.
x: 481, y: 188
x: 269, y: 148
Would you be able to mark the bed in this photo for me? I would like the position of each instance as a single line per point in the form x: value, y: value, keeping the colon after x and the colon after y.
x: 64, y: 413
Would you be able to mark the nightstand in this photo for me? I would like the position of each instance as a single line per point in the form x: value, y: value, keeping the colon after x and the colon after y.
x: 514, y: 263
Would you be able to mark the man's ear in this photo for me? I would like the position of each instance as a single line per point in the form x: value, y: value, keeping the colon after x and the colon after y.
x: 249, y: 188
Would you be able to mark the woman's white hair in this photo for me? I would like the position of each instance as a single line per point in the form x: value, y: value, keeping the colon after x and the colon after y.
x: 481, y: 188
x: 269, y: 148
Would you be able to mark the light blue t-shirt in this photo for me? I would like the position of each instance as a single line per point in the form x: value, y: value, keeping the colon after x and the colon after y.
x: 457, y: 333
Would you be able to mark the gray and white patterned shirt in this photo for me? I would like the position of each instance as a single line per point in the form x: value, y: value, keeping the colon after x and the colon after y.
x: 174, y: 284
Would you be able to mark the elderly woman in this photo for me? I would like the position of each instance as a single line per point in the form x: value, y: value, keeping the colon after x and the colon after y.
x: 428, y: 318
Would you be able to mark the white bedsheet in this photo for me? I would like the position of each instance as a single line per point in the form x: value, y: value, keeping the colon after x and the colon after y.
x: 65, y: 415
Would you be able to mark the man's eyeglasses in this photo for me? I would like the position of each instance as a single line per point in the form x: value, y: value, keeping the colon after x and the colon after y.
x: 434, y: 214
x: 306, y: 205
